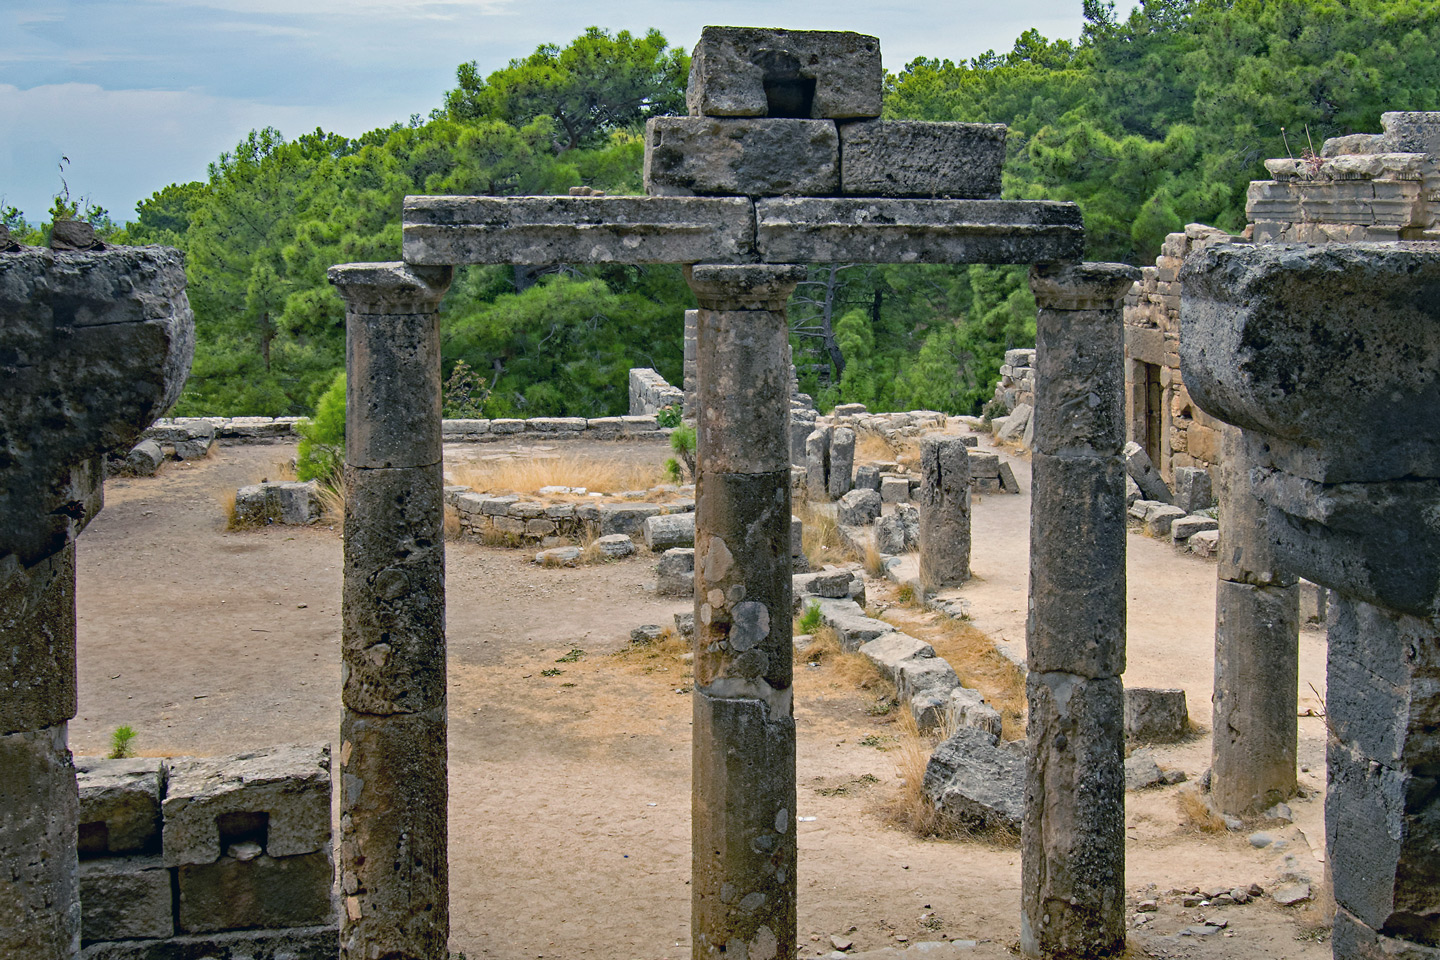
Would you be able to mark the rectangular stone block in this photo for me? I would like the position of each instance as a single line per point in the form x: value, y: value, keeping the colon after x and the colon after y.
x: 119, y: 804
x: 278, y: 797
x: 984, y: 466
x: 37, y: 644
x: 704, y: 156
x: 454, y: 427
x: 125, y: 898
x: 853, y: 229
x: 554, y: 424
x: 263, y: 891
x: 761, y: 72
x: 1155, y: 714
x: 904, y: 158
x: 38, y: 810
x: 454, y: 230
x: 295, y: 943
x: 626, y: 518
x: 675, y: 574
x: 497, y: 506
x: 664, y: 532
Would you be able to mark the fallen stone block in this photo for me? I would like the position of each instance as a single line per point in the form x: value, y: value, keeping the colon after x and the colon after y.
x: 280, y: 793
x: 848, y: 620
x: 675, y: 573
x: 685, y: 624
x: 975, y: 782
x: 144, y: 459
x: 1193, y: 491
x: 1156, y: 714
x: 1184, y: 528
x: 296, y: 943
x: 1132, y: 491
x: 615, y: 545
x: 647, y: 633
x: 1143, y: 472
x: 665, y: 531
x: 1013, y: 427
x: 1205, y: 543
x: 762, y: 157
x: 1142, y: 772
x: 894, y: 489
x: 1008, y: 483
x: 254, y: 890
x: 890, y: 535
x: 867, y: 477
x: 984, y: 466
x: 197, y: 449
x: 1159, y: 519
x: 761, y: 72
x: 626, y: 518
x: 902, y: 158
x: 125, y: 898
x: 558, y: 557
x: 839, y: 479
x: 822, y: 583
x: 858, y: 508
x: 926, y: 685
x: 891, y: 650
x: 119, y: 805
x: 967, y: 708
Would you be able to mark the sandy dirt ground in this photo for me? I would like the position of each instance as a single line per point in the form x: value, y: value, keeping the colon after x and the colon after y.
x: 569, y: 817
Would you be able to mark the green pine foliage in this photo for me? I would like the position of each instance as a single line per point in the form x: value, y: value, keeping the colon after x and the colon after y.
x: 1147, y: 122
x: 321, y: 454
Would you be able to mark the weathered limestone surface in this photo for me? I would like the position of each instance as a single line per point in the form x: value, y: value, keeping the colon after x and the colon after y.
x: 704, y: 156
x: 944, y: 512
x: 119, y: 805
x: 760, y: 72
x: 39, y: 887
x: 456, y: 230
x: 37, y: 624
x: 817, y: 464
x: 842, y: 462
x: 1073, y: 839
x: 743, y: 793
x: 1257, y: 648
x: 852, y: 229
x: 907, y: 158
x: 393, y: 762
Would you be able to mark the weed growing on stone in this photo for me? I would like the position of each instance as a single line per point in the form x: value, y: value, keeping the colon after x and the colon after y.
x: 120, y: 742
x: 809, y: 621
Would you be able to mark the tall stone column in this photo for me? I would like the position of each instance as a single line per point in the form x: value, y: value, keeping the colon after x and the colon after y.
x: 394, y: 875
x: 1073, y: 837
x: 1257, y: 649
x: 944, y: 512
x: 743, y: 781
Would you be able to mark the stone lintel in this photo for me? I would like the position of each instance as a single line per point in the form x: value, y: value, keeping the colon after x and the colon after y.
x: 754, y: 157
x: 1082, y: 286
x: 764, y: 72
x: 912, y: 158
x: 390, y: 288
x: 1331, y: 352
x: 520, y: 230
x: 865, y: 230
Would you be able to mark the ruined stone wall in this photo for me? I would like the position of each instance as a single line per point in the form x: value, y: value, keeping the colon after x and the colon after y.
x: 651, y: 393
x: 1157, y: 405
x: 215, y: 856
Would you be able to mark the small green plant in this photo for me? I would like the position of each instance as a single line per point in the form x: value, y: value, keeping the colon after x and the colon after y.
x: 321, y: 455
x: 668, y: 416
x: 673, y: 471
x: 551, y: 672
x: 906, y: 594
x: 120, y: 742
x: 810, y: 619
x: 682, y: 441
x: 572, y: 657
x: 464, y: 394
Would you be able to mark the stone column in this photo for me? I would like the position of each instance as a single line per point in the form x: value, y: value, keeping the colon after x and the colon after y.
x: 1257, y: 649
x: 1073, y: 838
x: 743, y: 779
x: 393, y: 793
x: 944, y: 512
x: 689, y: 368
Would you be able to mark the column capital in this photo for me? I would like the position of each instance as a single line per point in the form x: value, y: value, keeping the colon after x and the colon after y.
x: 1081, y: 286
x: 756, y: 286
x: 390, y: 288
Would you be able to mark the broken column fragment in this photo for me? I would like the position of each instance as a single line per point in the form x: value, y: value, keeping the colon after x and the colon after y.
x: 743, y: 780
x: 1325, y: 356
x: 1073, y: 840
x: 393, y: 791
x: 944, y: 512
x: 94, y: 345
x: 1257, y: 649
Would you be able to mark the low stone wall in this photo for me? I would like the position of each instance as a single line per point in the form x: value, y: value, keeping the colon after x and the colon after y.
x: 524, y: 521
x: 271, y: 429
x: 207, y: 857
x: 650, y: 392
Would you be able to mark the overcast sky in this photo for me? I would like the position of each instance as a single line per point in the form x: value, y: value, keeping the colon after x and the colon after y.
x: 143, y: 93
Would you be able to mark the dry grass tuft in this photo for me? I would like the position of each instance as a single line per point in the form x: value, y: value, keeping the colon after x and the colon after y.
x: 873, y: 561
x: 283, y: 471
x: 1196, y: 814
x: 843, y: 666
x: 332, y: 505
x: 452, y: 528
x: 525, y: 477
x: 820, y: 538
x: 660, y: 656
x: 225, y: 497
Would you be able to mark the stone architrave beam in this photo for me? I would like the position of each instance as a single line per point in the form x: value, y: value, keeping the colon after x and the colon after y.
x: 394, y: 875
x: 94, y: 345
x: 743, y: 845
x: 459, y: 230
x: 454, y: 230
x: 1073, y: 837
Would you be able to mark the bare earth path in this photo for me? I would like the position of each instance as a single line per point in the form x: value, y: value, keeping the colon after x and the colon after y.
x: 570, y: 792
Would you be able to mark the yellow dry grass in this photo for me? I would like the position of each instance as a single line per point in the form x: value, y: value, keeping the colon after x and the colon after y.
x: 526, y: 477
x: 1196, y: 814
x: 666, y: 655
x: 846, y: 668
x: 332, y: 503
x: 873, y: 561
x: 819, y: 538
x: 976, y: 661
x: 453, y: 530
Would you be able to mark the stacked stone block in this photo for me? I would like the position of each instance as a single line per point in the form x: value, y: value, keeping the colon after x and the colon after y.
x: 244, y: 863
x: 1017, y: 380
x: 1189, y: 437
x: 524, y: 521
x: 650, y: 393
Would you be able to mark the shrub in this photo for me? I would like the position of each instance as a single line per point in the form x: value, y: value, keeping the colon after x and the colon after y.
x: 682, y: 441
x: 810, y: 619
x: 120, y: 742
x: 668, y: 416
x: 321, y: 455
